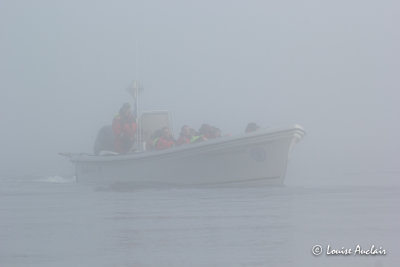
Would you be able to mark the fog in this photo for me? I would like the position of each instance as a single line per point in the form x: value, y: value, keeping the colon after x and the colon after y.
x: 332, y: 67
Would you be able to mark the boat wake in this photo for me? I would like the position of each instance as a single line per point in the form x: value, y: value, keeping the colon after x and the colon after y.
x: 57, y: 179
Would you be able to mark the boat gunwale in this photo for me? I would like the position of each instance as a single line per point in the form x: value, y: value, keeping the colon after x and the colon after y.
x: 207, y: 146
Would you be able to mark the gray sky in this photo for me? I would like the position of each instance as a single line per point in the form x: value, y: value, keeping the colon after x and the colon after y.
x: 331, y: 66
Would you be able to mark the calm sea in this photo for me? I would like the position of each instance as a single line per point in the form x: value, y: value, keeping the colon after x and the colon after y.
x: 52, y: 221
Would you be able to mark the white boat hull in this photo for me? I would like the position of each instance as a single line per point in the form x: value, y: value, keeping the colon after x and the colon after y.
x: 258, y: 158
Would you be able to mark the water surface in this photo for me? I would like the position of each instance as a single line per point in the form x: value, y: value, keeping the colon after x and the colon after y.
x: 52, y: 221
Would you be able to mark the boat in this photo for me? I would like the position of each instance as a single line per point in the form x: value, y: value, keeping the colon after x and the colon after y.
x: 257, y: 158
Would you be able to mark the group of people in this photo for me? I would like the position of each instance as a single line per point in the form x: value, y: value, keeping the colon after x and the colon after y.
x: 163, y: 138
x: 124, y: 129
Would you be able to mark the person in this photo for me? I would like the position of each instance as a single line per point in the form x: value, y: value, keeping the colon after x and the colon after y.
x: 193, y: 132
x: 154, y: 139
x: 104, y: 140
x: 205, y: 131
x: 165, y: 140
x: 185, y: 136
x: 200, y: 136
x: 215, y: 133
x: 124, y: 130
x: 252, y: 127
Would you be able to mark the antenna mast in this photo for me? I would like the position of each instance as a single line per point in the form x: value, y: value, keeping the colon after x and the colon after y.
x: 135, y: 90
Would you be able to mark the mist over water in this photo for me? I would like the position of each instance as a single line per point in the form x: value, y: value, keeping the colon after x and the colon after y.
x: 53, y: 223
x: 330, y: 67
